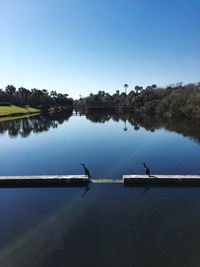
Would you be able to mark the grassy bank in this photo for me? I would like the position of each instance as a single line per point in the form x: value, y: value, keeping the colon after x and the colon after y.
x: 14, y: 110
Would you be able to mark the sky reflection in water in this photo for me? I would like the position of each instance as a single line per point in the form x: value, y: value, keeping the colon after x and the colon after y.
x: 109, y: 144
x: 110, y: 225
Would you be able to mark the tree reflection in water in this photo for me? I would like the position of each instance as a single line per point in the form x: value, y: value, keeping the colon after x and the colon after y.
x: 186, y: 127
x: 35, y: 124
x: 40, y: 123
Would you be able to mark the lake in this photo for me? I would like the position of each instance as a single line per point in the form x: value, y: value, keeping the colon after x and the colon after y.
x: 109, y: 225
x: 110, y: 144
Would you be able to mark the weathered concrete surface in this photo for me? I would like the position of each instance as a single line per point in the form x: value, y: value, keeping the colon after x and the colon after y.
x: 43, y: 180
x: 107, y: 181
x: 161, y: 180
x: 82, y: 180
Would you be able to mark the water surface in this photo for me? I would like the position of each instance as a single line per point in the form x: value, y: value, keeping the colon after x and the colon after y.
x: 109, y: 225
x: 110, y: 144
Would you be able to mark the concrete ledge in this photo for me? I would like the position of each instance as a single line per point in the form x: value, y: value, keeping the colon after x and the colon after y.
x: 107, y: 181
x: 82, y: 180
x: 160, y: 180
x: 43, y: 180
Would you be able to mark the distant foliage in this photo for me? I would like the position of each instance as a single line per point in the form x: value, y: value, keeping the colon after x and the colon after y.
x: 173, y: 101
x: 41, y: 99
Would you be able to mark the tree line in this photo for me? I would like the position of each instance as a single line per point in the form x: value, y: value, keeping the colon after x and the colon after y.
x: 176, y: 100
x: 41, y: 99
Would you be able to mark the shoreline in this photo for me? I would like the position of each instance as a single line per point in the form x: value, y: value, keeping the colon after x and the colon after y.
x: 17, y: 116
x: 14, y: 112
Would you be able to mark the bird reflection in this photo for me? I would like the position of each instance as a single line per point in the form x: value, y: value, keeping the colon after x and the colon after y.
x: 87, y: 188
x: 145, y: 190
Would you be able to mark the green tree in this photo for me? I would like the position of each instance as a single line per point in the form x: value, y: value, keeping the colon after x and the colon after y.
x: 10, y: 89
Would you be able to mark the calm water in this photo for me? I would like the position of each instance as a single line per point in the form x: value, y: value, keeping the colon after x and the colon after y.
x: 109, y: 144
x: 111, y: 225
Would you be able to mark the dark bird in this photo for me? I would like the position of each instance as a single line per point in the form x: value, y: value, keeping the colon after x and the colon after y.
x: 86, y: 171
x: 146, y: 169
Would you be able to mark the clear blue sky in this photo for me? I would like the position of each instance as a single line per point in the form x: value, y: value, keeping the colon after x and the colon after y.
x: 82, y: 46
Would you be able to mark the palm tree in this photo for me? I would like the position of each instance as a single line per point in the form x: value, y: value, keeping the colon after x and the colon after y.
x: 53, y: 94
x: 125, y: 87
x: 138, y: 89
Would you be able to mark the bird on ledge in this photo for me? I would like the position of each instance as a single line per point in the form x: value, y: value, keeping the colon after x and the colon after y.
x: 146, y: 169
x: 86, y: 171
